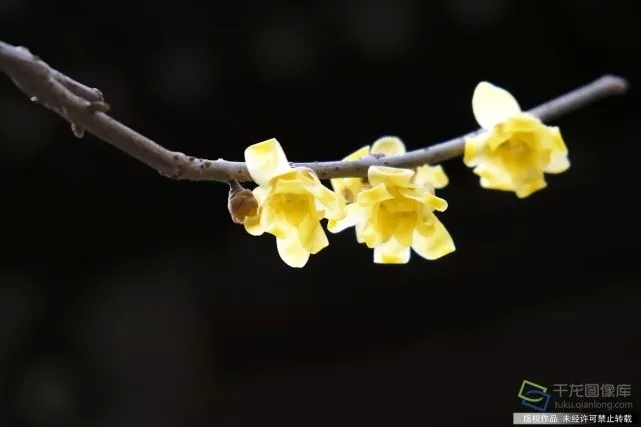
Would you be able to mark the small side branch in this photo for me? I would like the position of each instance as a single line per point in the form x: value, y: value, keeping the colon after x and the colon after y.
x: 86, y: 110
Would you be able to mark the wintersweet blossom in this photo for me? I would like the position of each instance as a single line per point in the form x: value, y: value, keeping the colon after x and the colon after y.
x: 349, y: 188
x: 394, y: 214
x: 291, y: 201
x: 516, y: 148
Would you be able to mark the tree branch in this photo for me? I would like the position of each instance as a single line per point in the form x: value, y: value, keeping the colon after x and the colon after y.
x: 86, y: 109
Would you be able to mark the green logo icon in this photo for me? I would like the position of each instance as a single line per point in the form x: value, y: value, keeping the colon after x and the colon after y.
x: 534, y: 396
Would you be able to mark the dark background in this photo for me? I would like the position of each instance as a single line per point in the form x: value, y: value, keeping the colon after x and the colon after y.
x: 127, y: 299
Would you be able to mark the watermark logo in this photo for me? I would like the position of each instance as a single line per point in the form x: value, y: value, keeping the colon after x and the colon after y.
x: 534, y: 396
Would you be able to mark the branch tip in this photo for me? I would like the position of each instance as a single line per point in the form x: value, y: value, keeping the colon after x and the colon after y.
x: 619, y: 84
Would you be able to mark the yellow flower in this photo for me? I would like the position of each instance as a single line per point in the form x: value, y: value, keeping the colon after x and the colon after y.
x: 397, y: 214
x: 348, y: 188
x: 292, y: 201
x: 516, y: 148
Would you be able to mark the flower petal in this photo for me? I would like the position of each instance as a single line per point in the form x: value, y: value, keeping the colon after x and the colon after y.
x: 332, y: 205
x: 418, y: 194
x: 558, y: 145
x: 358, y: 154
x: 391, y: 252
x: 371, y: 237
x: 381, y: 224
x: 431, y: 176
x: 526, y: 188
x: 374, y: 229
x: 493, y: 177
x: 253, y: 225
x: 405, y: 229
x: 311, y: 235
x: 353, y: 211
x: 275, y: 223
x: 348, y: 188
x: 523, y: 127
x: 425, y: 198
x: 374, y: 195
x: 261, y: 193
x: 492, y: 105
x: 389, y: 146
x: 437, y: 203
x: 475, y: 148
x: 559, y: 161
x: 522, y: 122
x: 432, y: 240
x: 359, y: 228
x: 288, y: 186
x: 393, y: 177
x: 266, y: 160
x: 291, y: 251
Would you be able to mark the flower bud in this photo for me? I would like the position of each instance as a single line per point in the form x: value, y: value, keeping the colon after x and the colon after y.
x: 241, y: 203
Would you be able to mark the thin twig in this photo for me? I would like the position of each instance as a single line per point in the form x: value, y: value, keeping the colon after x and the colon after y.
x: 86, y: 109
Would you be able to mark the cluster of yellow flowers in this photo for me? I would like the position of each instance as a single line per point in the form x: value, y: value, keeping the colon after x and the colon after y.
x: 393, y: 209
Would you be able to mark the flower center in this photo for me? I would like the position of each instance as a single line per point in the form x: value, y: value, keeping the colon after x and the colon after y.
x: 519, y: 147
x: 295, y: 207
x: 348, y: 195
x: 515, y: 151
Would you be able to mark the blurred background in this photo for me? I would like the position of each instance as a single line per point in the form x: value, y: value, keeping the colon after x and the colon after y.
x: 128, y: 299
